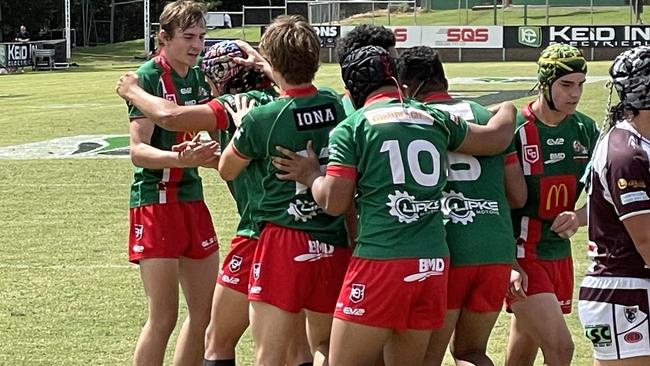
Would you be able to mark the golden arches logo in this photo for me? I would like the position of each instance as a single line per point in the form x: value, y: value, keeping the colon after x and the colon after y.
x: 189, y: 136
x: 554, y: 192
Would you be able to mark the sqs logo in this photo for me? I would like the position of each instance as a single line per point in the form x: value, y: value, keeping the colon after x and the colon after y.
x: 530, y: 36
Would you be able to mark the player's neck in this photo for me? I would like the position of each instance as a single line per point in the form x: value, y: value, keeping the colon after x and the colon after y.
x: 642, y: 123
x: 545, y: 114
x: 180, y: 68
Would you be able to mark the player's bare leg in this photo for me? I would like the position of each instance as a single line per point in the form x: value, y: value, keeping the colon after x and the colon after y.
x: 319, y: 327
x: 522, y: 348
x: 634, y: 361
x: 160, y: 280
x: 355, y: 344
x: 273, y: 329
x: 299, y: 351
x: 469, y: 342
x: 197, y: 281
x: 228, y: 321
x: 440, y: 339
x: 406, y: 348
x: 540, y: 317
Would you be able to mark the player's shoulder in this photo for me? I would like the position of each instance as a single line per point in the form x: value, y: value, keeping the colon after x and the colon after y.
x: 149, y: 70
x: 583, y: 119
x: 329, y: 93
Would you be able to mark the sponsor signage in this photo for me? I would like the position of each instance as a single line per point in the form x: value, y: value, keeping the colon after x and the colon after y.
x: 597, y: 36
x: 463, y: 37
x: 328, y: 34
x: 444, y: 36
x: 16, y: 54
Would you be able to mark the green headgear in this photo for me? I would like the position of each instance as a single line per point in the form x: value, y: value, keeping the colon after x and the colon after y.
x: 558, y: 60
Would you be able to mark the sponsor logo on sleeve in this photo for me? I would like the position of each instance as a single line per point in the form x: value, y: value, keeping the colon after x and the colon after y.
x: 640, y: 196
x: 631, y: 183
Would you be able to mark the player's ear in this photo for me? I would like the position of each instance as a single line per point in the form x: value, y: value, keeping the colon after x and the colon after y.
x: 164, y: 35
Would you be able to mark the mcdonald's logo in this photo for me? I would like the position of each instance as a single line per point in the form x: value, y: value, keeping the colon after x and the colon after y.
x: 189, y: 136
x: 554, y: 193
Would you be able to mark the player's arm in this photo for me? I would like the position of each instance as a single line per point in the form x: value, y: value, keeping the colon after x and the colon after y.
x: 492, y: 138
x: 333, y: 192
x: 514, y: 181
x: 169, y: 115
x: 232, y: 163
x: 146, y: 156
x: 637, y: 227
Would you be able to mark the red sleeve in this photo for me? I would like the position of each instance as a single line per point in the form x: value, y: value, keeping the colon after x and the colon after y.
x: 512, y: 158
x: 234, y: 149
x: 219, y: 114
x: 340, y: 171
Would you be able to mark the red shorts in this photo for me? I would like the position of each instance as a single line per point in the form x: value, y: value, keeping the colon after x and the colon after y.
x: 549, y: 276
x: 398, y: 294
x: 478, y: 288
x: 171, y: 230
x: 237, y: 264
x: 292, y: 271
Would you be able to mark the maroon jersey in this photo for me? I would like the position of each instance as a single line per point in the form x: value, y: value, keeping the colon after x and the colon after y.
x: 619, y: 188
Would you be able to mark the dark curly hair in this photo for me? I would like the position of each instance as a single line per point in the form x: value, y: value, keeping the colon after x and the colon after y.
x: 364, y: 35
x: 421, y: 67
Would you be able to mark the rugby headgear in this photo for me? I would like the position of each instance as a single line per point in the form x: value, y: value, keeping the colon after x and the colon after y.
x: 365, y: 70
x: 631, y: 77
x: 556, y: 61
x: 219, y: 67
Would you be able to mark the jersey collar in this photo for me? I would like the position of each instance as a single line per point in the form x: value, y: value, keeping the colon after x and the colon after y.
x: 306, y: 91
x: 437, y: 97
x: 376, y: 97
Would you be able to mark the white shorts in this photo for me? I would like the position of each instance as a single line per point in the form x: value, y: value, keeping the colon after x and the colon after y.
x: 614, y: 313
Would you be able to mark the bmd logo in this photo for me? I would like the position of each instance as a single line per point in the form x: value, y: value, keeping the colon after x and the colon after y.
x: 530, y: 36
x: 467, y: 35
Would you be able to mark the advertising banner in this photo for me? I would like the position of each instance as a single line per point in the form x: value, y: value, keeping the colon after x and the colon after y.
x: 597, y: 36
x: 463, y: 37
x: 16, y: 54
x: 445, y: 36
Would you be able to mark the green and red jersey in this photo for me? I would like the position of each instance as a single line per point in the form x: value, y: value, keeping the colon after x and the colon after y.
x: 296, y: 117
x: 397, y: 152
x: 478, y: 224
x: 159, y: 186
x: 245, y: 187
x: 553, y: 159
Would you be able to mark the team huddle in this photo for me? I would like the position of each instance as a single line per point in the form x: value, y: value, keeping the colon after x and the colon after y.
x: 383, y: 226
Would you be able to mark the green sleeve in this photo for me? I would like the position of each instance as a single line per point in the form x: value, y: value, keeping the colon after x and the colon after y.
x: 342, y: 146
x: 147, y: 77
x: 457, y: 128
x: 249, y: 138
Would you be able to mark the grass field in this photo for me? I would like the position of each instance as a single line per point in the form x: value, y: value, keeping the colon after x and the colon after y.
x: 68, y: 294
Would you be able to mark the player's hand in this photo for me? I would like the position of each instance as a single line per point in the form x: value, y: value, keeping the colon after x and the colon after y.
x: 196, y: 153
x: 518, y: 284
x: 254, y: 59
x: 126, y: 83
x: 296, y: 167
x: 242, y: 107
x: 566, y: 224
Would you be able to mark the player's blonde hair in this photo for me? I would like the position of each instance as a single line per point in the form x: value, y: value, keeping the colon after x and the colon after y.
x: 182, y: 14
x: 292, y: 47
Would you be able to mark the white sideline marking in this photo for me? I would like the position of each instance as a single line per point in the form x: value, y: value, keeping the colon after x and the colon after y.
x: 61, y: 266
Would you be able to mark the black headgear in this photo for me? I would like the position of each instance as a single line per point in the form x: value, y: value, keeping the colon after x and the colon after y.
x: 365, y: 70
